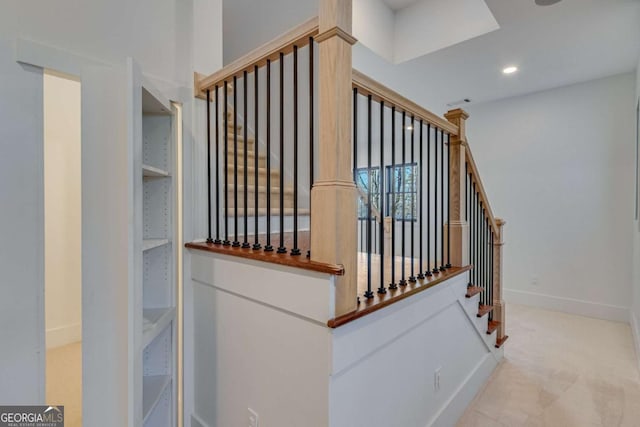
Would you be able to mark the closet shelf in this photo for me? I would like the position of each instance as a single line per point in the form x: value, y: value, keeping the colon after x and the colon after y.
x: 154, y: 321
x: 152, y: 389
x: 153, y: 172
x: 148, y: 244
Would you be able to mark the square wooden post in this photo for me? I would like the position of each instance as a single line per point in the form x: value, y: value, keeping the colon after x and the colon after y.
x: 457, y: 226
x: 498, y: 302
x: 334, y: 194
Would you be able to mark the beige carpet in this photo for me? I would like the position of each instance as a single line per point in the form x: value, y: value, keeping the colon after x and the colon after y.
x: 64, y: 381
x: 560, y: 370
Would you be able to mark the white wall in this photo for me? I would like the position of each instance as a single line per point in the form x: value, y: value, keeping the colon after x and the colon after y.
x: 635, y: 312
x: 62, y: 199
x: 249, y: 23
x: 21, y: 231
x: 374, y: 26
x: 558, y: 167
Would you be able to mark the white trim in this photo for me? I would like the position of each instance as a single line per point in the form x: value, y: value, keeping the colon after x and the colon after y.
x: 453, y: 409
x: 39, y: 55
x: 635, y: 331
x: 63, y: 335
x: 568, y: 305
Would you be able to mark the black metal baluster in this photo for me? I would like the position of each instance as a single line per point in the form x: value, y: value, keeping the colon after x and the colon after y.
x: 472, y: 229
x: 295, y: 250
x: 381, y: 288
x: 217, y: 241
x: 467, y: 187
x: 369, y: 293
x: 268, y: 247
x: 421, y: 196
x: 281, y: 248
x: 392, y: 203
x: 414, y: 186
x: 311, y: 124
x: 484, y: 253
x: 236, y: 243
x: 209, y: 234
x: 226, y: 164
x: 491, y: 269
x: 481, y: 253
x: 245, y: 243
x: 256, y: 152
x: 428, y: 270
x: 403, y: 183
x: 355, y: 136
x: 448, y: 201
x: 442, y: 263
x: 435, y: 203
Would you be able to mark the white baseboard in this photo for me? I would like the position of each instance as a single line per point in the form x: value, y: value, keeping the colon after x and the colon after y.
x: 635, y: 331
x: 64, y: 335
x: 458, y: 403
x: 568, y: 305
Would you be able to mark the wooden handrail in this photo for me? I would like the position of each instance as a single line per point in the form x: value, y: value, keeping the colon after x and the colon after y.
x: 379, y: 92
x: 475, y: 176
x: 298, y: 36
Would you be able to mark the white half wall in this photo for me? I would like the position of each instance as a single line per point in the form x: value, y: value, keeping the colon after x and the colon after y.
x: 63, y: 210
x: 261, y: 342
x: 558, y: 166
x: 384, y: 365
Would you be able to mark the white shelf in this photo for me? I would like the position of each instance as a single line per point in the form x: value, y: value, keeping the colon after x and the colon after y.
x: 155, y: 320
x: 153, y: 172
x: 148, y: 244
x: 152, y: 389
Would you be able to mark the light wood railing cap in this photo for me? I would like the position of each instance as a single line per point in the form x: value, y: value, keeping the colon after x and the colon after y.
x: 500, y: 222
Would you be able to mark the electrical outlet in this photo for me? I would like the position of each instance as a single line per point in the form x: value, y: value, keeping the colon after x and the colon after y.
x: 253, y: 418
x: 436, y: 379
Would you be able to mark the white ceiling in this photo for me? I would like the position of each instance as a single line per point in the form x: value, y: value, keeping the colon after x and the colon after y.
x: 570, y: 42
x: 399, y: 4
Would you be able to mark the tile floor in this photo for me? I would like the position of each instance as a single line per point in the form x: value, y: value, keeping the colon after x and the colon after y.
x: 64, y: 381
x: 560, y: 370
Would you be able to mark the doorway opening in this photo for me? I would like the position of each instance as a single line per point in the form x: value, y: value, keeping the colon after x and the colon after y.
x: 63, y: 243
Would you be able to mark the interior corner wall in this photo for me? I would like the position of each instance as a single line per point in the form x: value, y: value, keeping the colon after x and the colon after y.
x: 248, y: 24
x: 558, y: 166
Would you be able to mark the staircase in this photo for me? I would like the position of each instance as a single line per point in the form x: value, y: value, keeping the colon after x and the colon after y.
x: 239, y: 155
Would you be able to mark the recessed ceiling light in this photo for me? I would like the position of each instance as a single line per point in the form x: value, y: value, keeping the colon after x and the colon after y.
x: 510, y: 70
x: 546, y: 2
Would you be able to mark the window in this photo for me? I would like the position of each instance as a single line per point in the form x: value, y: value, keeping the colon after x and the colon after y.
x: 364, y: 176
x: 405, y: 189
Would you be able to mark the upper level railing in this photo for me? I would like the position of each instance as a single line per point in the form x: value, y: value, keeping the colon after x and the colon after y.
x: 302, y: 149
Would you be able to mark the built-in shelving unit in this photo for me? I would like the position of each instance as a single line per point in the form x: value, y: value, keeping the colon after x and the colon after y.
x: 156, y: 335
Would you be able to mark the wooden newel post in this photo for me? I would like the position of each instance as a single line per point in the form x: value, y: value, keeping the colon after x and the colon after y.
x: 458, y: 226
x: 498, y: 302
x: 334, y: 194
